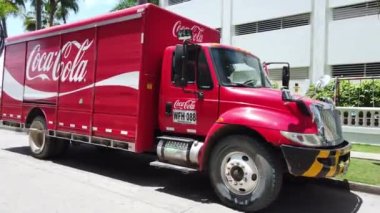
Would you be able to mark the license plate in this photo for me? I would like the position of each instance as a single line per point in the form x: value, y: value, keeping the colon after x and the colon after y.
x: 185, y: 116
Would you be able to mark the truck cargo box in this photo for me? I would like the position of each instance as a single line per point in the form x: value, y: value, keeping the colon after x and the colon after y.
x: 97, y: 77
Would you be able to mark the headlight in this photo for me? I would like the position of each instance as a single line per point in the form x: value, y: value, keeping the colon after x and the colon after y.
x: 328, y: 125
x: 304, y: 139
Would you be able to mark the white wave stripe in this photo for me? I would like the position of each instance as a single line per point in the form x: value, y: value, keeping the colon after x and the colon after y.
x: 15, y: 90
x: 12, y: 87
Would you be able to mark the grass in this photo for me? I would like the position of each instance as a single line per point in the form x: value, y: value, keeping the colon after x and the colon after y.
x: 366, y: 148
x: 363, y: 171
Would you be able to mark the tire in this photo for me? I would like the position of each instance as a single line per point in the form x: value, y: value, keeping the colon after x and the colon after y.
x: 41, y: 146
x: 244, y: 173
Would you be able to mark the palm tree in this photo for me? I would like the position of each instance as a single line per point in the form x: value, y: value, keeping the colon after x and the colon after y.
x: 9, y: 7
x: 122, y: 4
x: 51, y: 9
x: 54, y: 10
x: 30, y: 21
x: 64, y: 7
x: 38, y: 9
x: 59, y: 10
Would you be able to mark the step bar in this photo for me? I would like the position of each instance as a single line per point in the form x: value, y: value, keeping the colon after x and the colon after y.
x: 162, y: 165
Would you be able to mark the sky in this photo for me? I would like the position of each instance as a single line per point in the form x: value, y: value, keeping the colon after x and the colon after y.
x: 87, y: 9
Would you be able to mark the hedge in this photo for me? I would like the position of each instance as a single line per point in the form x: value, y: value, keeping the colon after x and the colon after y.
x: 365, y: 93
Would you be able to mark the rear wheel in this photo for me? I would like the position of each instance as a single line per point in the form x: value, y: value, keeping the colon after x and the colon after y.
x: 40, y: 145
x: 244, y: 173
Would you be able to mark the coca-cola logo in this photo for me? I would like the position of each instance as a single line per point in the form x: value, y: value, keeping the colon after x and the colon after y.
x: 41, y: 63
x: 184, y: 105
x: 197, y: 31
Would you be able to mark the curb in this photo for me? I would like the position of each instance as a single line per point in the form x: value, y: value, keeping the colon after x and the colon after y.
x: 365, y: 158
x: 15, y: 129
x: 352, y: 186
x: 361, y: 187
x: 346, y: 185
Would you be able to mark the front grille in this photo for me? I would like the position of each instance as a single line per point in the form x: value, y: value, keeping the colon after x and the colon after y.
x: 332, y: 125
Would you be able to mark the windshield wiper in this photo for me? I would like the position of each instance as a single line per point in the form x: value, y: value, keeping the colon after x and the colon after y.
x: 237, y: 85
x: 242, y: 85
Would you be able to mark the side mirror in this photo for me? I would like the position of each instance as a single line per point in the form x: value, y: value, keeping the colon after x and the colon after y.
x: 179, y: 66
x: 322, y: 82
x: 285, y: 76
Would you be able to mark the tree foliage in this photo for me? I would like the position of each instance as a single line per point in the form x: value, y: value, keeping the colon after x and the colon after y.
x: 50, y: 13
x: 122, y: 4
x: 7, y: 8
x: 365, y: 93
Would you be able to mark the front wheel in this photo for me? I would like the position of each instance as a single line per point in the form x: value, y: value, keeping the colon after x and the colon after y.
x: 244, y: 173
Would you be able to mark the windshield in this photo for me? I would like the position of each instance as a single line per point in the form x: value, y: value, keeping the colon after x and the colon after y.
x: 237, y: 68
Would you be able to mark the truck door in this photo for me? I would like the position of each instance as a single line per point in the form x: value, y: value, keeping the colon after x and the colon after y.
x: 192, y: 109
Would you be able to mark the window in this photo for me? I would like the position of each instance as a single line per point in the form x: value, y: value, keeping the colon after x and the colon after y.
x: 173, y: 2
x: 356, y: 10
x: 238, y: 69
x: 273, y: 24
x: 191, y: 64
x: 356, y: 70
x: 203, y: 74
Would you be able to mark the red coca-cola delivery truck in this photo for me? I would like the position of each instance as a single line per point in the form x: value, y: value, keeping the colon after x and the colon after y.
x: 148, y: 81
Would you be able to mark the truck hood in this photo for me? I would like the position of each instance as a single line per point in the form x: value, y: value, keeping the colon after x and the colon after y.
x: 260, y: 97
x: 268, y: 102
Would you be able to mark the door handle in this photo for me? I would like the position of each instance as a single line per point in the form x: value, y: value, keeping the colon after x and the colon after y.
x: 168, y: 108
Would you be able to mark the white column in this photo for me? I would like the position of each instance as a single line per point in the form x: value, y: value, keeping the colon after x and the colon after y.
x: 319, y: 28
x: 226, y: 21
x: 164, y: 3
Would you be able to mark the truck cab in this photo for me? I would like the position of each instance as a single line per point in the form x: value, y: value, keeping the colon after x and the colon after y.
x: 246, y: 133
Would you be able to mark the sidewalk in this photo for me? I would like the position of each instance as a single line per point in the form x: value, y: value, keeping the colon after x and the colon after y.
x: 365, y: 155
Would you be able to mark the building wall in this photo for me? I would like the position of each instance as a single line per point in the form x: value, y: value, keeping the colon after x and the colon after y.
x: 340, y: 3
x: 256, y: 10
x: 207, y: 12
x: 291, y: 45
x: 355, y: 40
x: 318, y: 46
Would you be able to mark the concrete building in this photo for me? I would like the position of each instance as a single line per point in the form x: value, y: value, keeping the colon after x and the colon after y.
x: 317, y: 37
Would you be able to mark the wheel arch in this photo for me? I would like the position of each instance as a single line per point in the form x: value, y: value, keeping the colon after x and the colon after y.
x: 33, y: 113
x: 224, y: 131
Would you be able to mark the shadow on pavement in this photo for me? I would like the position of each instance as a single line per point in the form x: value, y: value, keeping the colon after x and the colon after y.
x: 297, y: 194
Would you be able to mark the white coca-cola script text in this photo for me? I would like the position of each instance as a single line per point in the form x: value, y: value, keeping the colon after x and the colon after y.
x: 197, y: 31
x: 184, y: 105
x: 57, y: 65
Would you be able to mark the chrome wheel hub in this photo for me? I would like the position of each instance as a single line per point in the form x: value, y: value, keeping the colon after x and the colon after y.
x: 37, y: 137
x: 239, y: 173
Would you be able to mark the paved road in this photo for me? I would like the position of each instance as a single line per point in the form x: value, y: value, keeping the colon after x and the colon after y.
x: 87, y: 180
